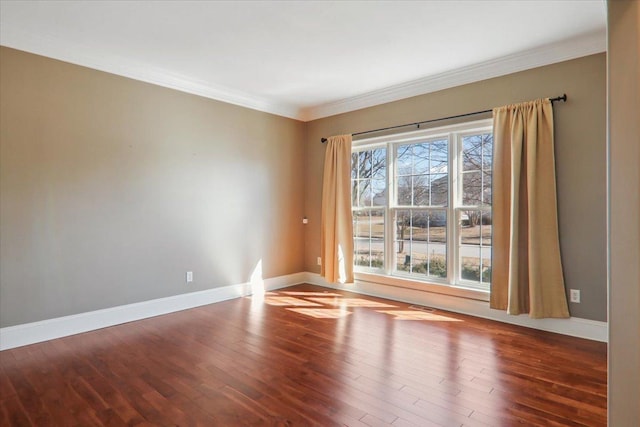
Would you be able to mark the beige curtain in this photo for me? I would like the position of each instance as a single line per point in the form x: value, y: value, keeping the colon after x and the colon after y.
x: 336, y: 236
x: 526, y: 267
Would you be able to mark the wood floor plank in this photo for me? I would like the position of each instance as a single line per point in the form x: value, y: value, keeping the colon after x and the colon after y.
x: 305, y: 356
x: 12, y: 413
x: 6, y: 388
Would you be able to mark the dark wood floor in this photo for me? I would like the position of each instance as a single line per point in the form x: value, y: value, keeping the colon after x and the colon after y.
x: 307, y: 356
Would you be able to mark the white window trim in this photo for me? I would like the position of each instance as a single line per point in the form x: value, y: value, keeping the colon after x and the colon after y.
x: 453, y: 284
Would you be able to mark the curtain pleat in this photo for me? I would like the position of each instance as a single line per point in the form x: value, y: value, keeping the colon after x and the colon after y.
x: 526, y: 267
x: 336, y: 238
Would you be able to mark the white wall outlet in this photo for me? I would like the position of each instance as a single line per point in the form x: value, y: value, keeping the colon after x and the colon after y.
x: 305, y: 220
x: 319, y: 261
x: 574, y: 295
x: 189, y: 276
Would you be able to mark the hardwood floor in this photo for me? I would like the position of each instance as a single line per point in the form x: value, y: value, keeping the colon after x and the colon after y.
x: 307, y: 356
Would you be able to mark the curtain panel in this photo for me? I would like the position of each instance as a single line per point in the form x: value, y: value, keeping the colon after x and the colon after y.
x: 336, y: 238
x: 526, y: 267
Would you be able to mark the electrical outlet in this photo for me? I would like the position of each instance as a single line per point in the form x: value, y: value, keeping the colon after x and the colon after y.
x: 319, y: 261
x: 574, y: 295
x: 189, y: 276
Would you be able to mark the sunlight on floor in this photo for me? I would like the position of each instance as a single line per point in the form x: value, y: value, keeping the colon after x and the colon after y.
x: 297, y: 302
x: 311, y: 294
x: 315, y: 304
x: 322, y: 313
x: 350, y: 302
x: 417, y: 315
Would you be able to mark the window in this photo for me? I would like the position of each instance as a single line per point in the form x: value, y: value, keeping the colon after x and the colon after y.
x: 422, y: 205
x: 369, y: 200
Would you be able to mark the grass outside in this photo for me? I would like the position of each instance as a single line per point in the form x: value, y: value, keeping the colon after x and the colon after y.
x: 435, y: 265
x: 469, y: 235
x: 423, y: 263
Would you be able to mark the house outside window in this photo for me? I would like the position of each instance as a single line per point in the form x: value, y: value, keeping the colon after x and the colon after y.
x: 422, y: 205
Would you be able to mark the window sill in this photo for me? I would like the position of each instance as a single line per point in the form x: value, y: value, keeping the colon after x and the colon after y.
x: 402, y: 282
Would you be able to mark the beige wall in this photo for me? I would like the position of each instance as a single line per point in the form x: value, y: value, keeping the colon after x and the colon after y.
x: 111, y: 189
x: 580, y: 147
x: 624, y: 213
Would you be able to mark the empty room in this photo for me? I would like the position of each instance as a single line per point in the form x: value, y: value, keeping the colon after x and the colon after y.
x: 319, y: 213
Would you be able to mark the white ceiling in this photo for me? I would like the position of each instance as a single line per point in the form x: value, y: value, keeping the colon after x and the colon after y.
x: 306, y: 59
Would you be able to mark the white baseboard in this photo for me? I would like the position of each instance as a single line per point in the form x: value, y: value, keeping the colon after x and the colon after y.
x: 30, y: 333
x: 574, y: 326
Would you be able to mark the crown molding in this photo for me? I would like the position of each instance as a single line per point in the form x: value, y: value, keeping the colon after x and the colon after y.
x: 565, y: 50
x: 79, y: 54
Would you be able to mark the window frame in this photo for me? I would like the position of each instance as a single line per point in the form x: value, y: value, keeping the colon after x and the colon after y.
x: 453, y: 284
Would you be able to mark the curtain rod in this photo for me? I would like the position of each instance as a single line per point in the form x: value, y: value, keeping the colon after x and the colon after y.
x: 562, y: 98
